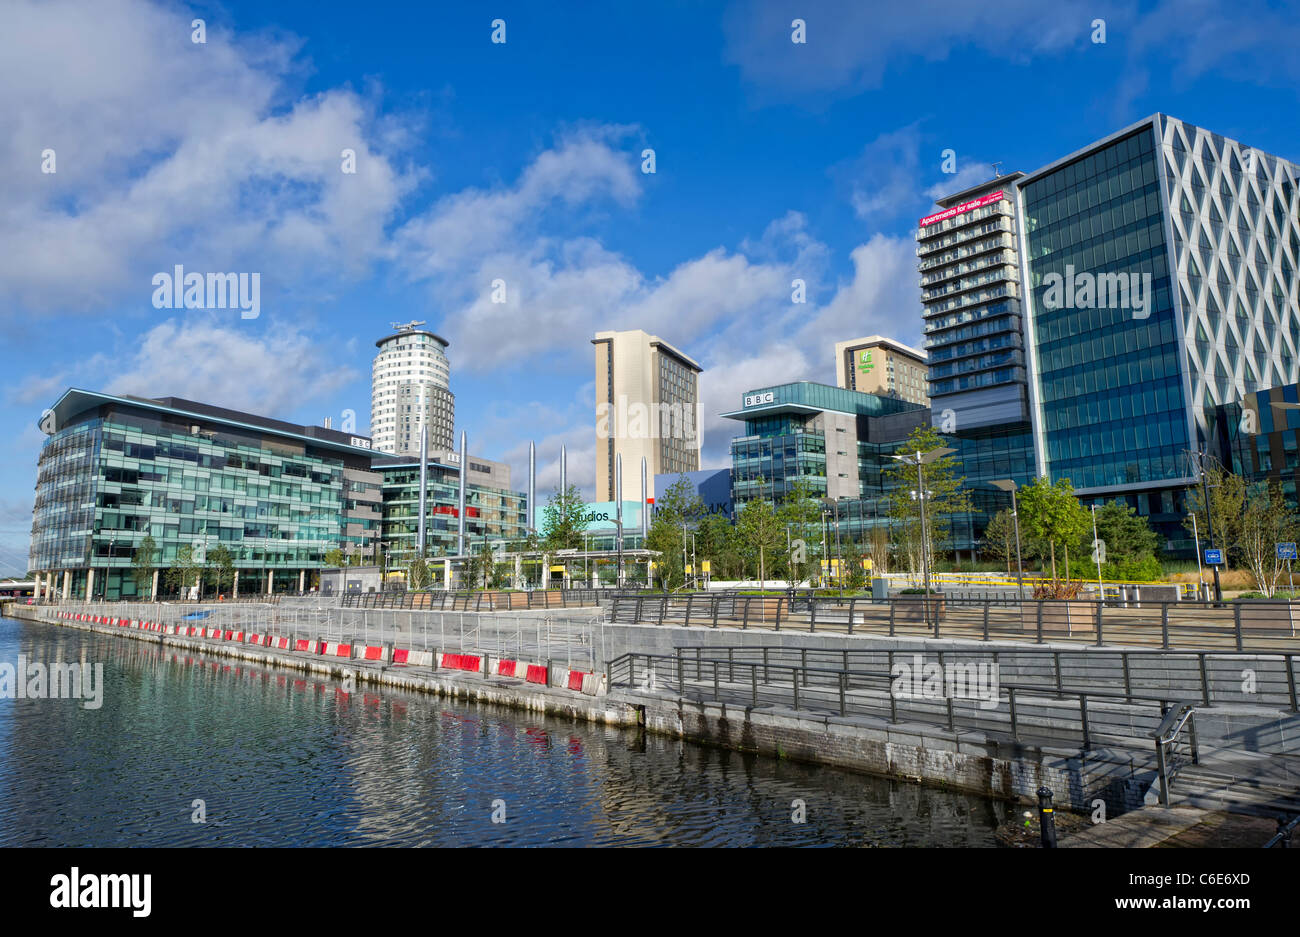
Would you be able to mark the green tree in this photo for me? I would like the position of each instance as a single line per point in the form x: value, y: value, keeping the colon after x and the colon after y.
x: 1053, y: 514
x: 715, y: 541
x: 1000, y: 538
x: 800, y: 518
x: 564, y: 520
x: 760, y: 533
x: 417, y: 573
x: 184, y: 573
x: 945, y: 495
x: 1227, y: 509
x: 1266, y: 521
x: 676, y: 511
x: 334, y: 557
x: 142, y: 565
x: 221, y: 568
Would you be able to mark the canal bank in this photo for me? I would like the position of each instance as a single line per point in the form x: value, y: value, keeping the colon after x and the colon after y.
x: 284, y: 757
x: 930, y: 754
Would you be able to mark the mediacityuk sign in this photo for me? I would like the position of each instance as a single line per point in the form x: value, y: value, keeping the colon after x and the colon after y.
x: 962, y: 208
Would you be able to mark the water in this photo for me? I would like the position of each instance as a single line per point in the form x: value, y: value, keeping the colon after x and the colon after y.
x: 280, y: 758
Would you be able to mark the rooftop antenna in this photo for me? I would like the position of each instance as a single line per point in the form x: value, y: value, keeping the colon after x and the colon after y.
x: 996, y: 173
x: 406, y: 326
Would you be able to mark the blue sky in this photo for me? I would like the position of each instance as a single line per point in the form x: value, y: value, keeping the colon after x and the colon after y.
x: 521, y: 161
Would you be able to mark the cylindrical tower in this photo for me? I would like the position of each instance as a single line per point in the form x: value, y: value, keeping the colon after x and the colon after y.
x: 410, y: 389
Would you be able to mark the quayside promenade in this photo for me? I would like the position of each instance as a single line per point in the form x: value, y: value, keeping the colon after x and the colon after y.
x: 1146, y: 722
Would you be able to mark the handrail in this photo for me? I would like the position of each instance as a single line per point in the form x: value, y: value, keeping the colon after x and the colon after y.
x: 1166, y: 734
x: 1282, y: 838
x: 1273, y: 688
x: 622, y: 671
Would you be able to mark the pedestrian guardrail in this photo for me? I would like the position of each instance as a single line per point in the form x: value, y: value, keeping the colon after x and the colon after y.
x: 1205, y: 677
x: 1020, y: 712
x: 485, y: 601
x: 1250, y: 625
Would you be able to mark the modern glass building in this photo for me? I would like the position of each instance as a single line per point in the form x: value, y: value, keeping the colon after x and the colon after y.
x: 493, y: 512
x: 1261, y: 437
x: 837, y: 441
x: 1160, y: 279
x: 279, y: 496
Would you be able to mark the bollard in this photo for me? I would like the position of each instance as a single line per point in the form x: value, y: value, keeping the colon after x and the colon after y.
x: 1046, y: 819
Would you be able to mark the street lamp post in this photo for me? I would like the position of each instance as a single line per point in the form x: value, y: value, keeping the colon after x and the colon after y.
x: 1199, y: 456
x: 1200, y: 573
x: 920, y: 460
x: 1009, y: 485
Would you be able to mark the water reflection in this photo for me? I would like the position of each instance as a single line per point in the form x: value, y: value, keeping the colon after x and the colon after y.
x: 284, y: 758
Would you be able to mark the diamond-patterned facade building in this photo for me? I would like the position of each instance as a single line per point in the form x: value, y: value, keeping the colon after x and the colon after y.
x: 1159, y: 271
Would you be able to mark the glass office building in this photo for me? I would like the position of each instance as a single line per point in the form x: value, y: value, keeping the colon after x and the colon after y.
x: 491, y: 513
x: 277, y: 495
x: 1160, y: 279
x: 118, y: 469
x: 837, y: 441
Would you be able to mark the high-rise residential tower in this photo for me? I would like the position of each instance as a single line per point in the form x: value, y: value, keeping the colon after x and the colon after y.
x: 647, y: 406
x: 968, y: 257
x: 410, y: 389
x: 879, y: 365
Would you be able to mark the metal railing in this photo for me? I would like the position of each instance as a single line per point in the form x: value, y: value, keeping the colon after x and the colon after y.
x: 576, y: 641
x: 1020, y: 712
x: 1208, y: 677
x: 1282, y: 838
x: 1168, y: 759
x: 440, y: 600
x: 1259, y: 625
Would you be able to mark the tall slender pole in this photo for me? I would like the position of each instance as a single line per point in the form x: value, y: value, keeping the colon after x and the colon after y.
x: 564, y: 471
x: 1200, y: 572
x: 1020, y: 571
x: 618, y: 514
x: 532, y: 487
x: 645, y: 494
x: 424, y: 490
x: 1209, y: 518
x: 460, y: 498
x: 925, y: 538
x: 839, y: 555
x: 1096, y: 555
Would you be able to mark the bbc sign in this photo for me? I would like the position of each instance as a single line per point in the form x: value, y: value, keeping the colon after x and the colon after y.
x: 753, y: 400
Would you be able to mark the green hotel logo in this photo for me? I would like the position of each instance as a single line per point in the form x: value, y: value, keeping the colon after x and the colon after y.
x: 864, y: 363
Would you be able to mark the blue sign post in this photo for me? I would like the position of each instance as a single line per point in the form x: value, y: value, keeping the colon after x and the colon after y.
x: 1213, y: 557
x: 1286, y: 551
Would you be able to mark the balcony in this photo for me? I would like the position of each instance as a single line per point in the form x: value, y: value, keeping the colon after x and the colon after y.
x: 1000, y: 209
x: 997, y: 226
x: 996, y: 242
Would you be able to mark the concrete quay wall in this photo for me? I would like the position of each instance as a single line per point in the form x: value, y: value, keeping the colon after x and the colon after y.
x: 928, y: 754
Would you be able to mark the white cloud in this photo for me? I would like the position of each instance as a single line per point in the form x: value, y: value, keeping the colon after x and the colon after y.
x: 270, y: 373
x: 172, y: 152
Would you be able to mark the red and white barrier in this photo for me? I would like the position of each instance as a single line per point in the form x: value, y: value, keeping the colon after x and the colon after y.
x: 459, y: 662
x: 335, y: 649
x: 403, y: 656
x: 372, y: 652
